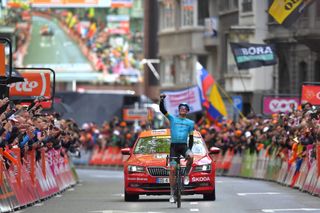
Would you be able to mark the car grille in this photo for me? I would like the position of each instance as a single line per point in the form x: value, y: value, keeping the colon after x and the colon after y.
x: 161, y: 171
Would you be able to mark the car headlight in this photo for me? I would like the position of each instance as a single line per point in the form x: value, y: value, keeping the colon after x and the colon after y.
x: 203, y: 168
x: 134, y: 169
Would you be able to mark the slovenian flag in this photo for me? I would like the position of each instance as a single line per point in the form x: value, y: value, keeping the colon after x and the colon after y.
x: 210, y: 95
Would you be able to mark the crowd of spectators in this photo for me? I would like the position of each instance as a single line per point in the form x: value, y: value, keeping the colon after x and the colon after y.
x: 30, y: 127
x: 110, y: 53
x: 290, y: 136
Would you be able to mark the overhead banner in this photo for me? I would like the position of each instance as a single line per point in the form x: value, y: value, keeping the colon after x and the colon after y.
x: 143, y: 114
x: 191, y: 96
x: 121, y: 3
x: 311, y: 94
x: 283, y: 104
x: 35, y: 84
x: 71, y: 3
x: 248, y: 55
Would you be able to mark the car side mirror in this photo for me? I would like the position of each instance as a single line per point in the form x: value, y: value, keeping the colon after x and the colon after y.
x: 126, y: 151
x: 214, y: 150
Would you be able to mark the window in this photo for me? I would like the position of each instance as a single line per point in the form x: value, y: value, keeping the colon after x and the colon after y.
x: 235, y: 3
x: 224, y: 5
x: 203, y: 11
x: 303, y: 69
x: 187, y: 12
x: 246, y: 5
x: 317, y: 71
x: 318, y: 8
x: 169, y: 72
x: 167, y: 14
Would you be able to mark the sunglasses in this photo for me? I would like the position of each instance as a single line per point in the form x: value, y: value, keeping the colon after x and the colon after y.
x: 183, y: 107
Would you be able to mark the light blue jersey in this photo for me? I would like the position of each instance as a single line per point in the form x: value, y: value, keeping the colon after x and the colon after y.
x: 180, y: 128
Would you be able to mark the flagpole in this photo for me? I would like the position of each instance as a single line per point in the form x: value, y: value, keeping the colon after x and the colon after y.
x: 230, y: 99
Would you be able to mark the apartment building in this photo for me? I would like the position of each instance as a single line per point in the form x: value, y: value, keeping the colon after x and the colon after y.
x: 182, y: 37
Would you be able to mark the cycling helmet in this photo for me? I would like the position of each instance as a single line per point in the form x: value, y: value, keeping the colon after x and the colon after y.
x: 185, y: 105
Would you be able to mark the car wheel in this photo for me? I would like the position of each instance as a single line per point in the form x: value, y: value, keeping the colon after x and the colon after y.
x: 210, y: 196
x: 128, y: 197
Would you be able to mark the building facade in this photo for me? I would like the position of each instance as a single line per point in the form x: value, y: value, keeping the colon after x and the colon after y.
x: 201, y: 30
x: 183, y: 41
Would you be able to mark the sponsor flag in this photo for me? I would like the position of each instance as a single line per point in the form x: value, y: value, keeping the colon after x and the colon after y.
x: 286, y: 12
x: 248, y: 55
x: 210, y: 95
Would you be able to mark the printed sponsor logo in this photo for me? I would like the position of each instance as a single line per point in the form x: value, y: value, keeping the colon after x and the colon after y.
x: 275, y: 105
x: 200, y: 179
x: 282, y: 105
x: 35, y: 84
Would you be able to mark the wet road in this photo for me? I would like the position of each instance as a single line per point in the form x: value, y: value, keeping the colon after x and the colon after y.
x: 101, y: 191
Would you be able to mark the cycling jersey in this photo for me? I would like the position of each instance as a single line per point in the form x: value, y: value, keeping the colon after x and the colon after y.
x: 180, y: 128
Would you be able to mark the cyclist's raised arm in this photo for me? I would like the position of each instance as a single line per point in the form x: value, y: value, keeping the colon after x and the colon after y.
x: 161, y: 105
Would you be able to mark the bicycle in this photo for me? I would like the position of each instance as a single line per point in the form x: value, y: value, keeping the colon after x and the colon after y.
x: 179, y: 185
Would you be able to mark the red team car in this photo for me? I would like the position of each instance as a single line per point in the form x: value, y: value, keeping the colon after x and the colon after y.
x: 146, y: 170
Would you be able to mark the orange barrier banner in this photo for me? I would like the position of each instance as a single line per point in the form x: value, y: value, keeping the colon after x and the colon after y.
x: 18, y: 164
x: 43, y: 163
x: 1, y: 165
x: 32, y: 155
x: 318, y: 158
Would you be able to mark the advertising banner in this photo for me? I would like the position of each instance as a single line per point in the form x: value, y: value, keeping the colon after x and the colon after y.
x: 35, y: 84
x: 71, y: 3
x: 248, y: 55
x: 287, y: 12
x: 273, y: 104
x: 191, y: 96
x: 2, y: 60
x: 318, y: 158
x: 137, y: 114
x: 121, y: 3
x: 311, y: 94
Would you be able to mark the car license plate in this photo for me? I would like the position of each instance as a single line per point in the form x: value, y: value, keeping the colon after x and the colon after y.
x: 162, y: 180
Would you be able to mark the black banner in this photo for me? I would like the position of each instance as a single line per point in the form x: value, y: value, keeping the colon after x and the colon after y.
x: 249, y: 55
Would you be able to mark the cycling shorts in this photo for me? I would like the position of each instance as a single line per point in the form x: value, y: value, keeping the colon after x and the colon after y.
x: 177, y: 149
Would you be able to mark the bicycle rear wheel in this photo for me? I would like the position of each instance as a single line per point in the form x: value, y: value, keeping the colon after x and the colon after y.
x: 178, y: 188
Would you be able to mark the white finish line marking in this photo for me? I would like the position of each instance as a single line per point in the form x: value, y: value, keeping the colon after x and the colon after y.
x: 194, y: 210
x: 193, y: 203
x: 58, y: 196
x: 38, y: 204
x: 289, y: 210
x: 258, y: 193
x: 71, y: 189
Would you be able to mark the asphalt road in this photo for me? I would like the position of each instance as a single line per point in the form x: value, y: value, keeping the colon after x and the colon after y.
x: 101, y: 191
x: 58, y: 52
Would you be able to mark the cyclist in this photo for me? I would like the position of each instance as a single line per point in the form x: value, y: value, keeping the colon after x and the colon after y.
x: 181, y: 128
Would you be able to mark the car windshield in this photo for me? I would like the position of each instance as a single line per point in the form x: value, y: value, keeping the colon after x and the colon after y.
x: 157, y: 144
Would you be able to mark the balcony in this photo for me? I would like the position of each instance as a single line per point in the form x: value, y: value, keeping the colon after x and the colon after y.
x: 183, y: 40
